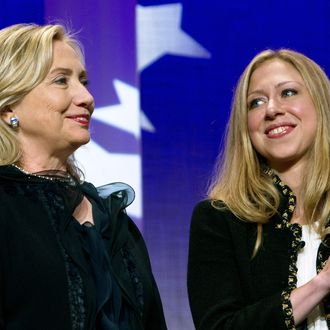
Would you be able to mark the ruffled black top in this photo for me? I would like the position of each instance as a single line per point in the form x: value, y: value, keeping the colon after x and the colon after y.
x: 111, y: 312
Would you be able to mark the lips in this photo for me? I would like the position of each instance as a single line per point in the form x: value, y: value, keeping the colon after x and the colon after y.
x: 279, y: 130
x: 81, y: 118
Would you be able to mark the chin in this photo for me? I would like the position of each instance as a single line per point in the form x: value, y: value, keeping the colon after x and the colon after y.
x: 76, y: 143
x: 83, y: 138
x: 83, y: 142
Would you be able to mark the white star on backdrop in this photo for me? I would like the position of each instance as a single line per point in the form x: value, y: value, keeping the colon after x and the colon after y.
x: 159, y: 32
x: 124, y: 115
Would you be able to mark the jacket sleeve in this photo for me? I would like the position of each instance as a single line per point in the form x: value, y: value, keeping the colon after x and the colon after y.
x: 154, y: 315
x: 217, y: 295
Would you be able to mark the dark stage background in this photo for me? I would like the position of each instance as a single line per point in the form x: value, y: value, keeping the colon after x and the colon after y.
x: 162, y: 74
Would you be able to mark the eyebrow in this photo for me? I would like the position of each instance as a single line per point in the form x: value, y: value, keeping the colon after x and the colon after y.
x: 276, y: 86
x: 67, y: 71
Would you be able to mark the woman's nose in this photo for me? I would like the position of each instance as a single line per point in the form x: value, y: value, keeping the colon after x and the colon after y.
x: 84, y: 98
x: 274, y: 108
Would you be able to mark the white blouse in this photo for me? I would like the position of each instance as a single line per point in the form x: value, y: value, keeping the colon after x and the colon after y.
x: 306, y: 264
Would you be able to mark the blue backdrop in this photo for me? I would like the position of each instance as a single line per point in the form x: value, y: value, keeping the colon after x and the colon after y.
x: 171, y: 68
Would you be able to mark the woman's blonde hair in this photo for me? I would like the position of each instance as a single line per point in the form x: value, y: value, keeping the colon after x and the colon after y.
x: 239, y: 180
x: 26, y: 54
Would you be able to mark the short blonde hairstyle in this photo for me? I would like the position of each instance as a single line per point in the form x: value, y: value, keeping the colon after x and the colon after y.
x: 26, y: 54
x: 239, y: 180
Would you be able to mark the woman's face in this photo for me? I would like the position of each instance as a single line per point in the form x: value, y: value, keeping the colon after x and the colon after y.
x: 282, y: 119
x: 54, y: 117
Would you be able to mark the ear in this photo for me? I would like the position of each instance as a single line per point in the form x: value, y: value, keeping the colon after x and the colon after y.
x: 6, y: 114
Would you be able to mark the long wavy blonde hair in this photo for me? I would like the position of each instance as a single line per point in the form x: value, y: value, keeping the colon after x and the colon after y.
x: 26, y: 54
x: 239, y: 180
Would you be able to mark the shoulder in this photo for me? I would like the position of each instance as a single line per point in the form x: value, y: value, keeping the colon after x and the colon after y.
x: 208, y: 206
x: 213, y: 211
x: 210, y: 216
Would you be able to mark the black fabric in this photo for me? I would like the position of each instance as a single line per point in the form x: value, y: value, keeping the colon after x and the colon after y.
x: 110, y: 310
x: 226, y: 289
x: 45, y: 272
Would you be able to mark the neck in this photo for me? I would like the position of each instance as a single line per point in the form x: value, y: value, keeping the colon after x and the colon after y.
x: 40, y: 164
x: 38, y: 156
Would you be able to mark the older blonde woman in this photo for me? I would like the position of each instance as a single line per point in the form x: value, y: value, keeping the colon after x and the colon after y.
x: 70, y: 257
x: 259, y: 248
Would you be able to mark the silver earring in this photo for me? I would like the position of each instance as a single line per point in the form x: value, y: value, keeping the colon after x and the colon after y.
x: 14, y: 122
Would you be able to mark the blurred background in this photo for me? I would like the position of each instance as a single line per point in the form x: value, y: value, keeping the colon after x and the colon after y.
x: 162, y: 74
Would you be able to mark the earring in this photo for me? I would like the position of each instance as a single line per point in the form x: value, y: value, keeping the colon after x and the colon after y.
x: 14, y: 122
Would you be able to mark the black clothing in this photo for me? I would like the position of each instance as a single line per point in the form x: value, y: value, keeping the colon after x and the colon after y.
x: 58, y: 275
x: 228, y: 289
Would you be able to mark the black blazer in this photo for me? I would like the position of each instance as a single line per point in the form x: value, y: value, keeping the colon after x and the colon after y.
x: 228, y: 289
x: 41, y: 259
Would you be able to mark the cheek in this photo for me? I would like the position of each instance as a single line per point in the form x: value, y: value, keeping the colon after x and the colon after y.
x: 253, y: 122
x: 307, y: 114
x: 51, y: 107
x: 313, y: 120
x: 55, y: 104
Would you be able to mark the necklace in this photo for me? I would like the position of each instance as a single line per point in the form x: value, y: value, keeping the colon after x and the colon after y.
x: 52, y: 175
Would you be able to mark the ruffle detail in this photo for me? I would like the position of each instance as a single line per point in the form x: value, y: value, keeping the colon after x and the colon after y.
x: 296, y: 245
x: 122, y: 190
x: 322, y: 258
x: 287, y: 309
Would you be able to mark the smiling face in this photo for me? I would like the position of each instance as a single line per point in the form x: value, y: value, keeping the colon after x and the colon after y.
x: 54, y: 117
x: 282, y: 119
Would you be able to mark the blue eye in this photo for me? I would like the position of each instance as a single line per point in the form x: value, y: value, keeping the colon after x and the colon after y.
x: 288, y: 92
x: 256, y: 103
